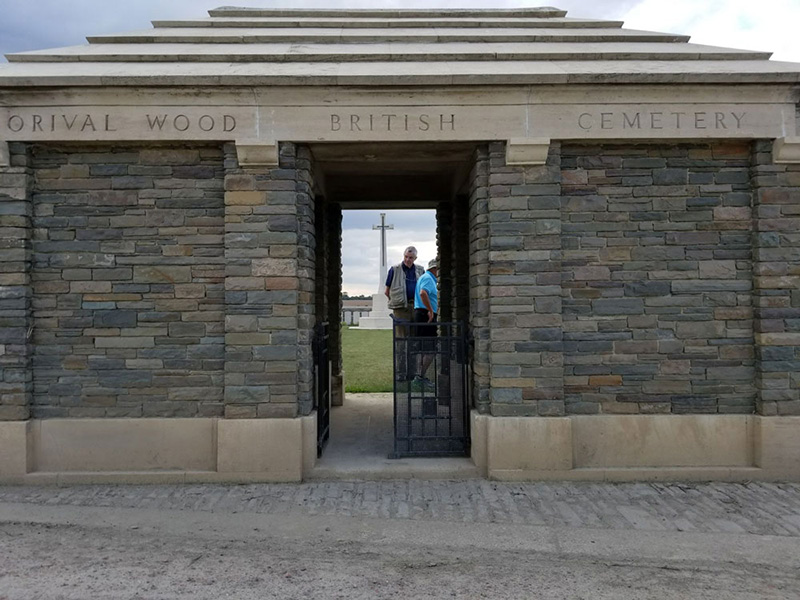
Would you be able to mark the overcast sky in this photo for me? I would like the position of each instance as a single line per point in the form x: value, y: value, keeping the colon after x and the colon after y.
x: 767, y: 25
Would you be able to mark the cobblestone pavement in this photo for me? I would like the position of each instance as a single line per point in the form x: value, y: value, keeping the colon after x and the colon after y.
x: 752, y: 508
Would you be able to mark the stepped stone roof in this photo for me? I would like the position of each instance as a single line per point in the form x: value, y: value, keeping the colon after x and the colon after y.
x: 246, y: 46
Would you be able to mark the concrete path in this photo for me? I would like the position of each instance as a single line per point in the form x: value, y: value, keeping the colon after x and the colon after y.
x: 362, y: 437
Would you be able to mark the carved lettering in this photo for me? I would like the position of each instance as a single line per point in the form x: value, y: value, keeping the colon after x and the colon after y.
x: 700, y: 120
x: 15, y: 123
x: 655, y: 120
x: 181, y: 123
x: 206, y: 123
x: 157, y: 121
x: 628, y: 123
x: 88, y: 123
x: 658, y: 120
x: 54, y: 122
x: 391, y: 122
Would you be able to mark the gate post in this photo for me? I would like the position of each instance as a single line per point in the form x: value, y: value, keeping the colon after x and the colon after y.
x: 269, y: 320
x: 16, y: 378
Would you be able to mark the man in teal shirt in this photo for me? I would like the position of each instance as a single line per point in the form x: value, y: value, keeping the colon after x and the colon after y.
x: 426, y: 306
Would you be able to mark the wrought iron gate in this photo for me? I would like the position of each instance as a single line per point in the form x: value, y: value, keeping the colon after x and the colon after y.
x: 322, y: 385
x: 431, y: 416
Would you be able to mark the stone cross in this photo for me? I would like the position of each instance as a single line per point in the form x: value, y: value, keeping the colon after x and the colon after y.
x: 382, y: 266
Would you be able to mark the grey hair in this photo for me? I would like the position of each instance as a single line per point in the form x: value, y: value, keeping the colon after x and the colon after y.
x: 412, y: 250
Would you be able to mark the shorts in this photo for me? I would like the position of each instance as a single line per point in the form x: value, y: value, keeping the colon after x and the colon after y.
x: 427, y: 330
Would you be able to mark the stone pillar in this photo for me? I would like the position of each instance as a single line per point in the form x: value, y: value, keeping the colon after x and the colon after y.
x: 16, y: 381
x: 333, y: 236
x: 269, y: 286
x: 460, y: 232
x: 524, y: 286
x: 444, y: 245
x: 776, y: 190
x: 479, y: 278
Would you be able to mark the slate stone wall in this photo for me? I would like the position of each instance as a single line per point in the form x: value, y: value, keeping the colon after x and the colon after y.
x: 127, y: 281
x: 16, y: 379
x: 478, y: 227
x: 777, y: 282
x: 270, y: 254
x: 657, y: 279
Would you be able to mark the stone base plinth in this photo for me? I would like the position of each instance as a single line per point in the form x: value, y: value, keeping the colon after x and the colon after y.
x: 157, y: 450
x: 380, y: 317
x: 375, y: 322
x: 637, y: 447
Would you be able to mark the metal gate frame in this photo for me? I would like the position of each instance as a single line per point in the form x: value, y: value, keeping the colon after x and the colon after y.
x: 322, y: 385
x: 431, y: 418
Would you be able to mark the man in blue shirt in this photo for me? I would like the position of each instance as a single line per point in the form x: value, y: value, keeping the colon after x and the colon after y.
x: 426, y: 306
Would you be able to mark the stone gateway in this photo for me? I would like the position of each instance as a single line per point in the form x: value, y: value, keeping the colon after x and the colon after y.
x: 617, y: 225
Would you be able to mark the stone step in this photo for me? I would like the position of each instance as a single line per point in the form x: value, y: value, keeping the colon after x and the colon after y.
x: 391, y: 52
x: 361, y: 23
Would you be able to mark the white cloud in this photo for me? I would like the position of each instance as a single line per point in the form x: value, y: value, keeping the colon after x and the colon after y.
x: 769, y: 25
x: 361, y: 244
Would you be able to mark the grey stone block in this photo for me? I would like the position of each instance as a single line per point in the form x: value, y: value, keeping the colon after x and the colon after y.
x: 618, y: 306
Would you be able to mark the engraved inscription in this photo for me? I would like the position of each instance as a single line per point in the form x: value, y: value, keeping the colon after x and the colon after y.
x: 656, y: 120
x: 60, y: 122
x: 181, y: 122
x: 392, y: 122
x: 106, y: 122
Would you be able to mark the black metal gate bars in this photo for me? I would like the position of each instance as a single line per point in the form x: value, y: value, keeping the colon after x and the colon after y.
x: 431, y: 417
x: 322, y: 385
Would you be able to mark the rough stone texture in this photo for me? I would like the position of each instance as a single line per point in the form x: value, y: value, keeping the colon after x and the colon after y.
x: 524, y: 293
x: 777, y: 282
x: 657, y: 279
x: 460, y: 261
x: 270, y: 254
x: 15, y: 291
x: 444, y: 245
x: 479, y: 278
x: 127, y: 281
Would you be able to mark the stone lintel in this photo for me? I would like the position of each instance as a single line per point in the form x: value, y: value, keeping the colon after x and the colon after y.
x: 257, y: 154
x: 787, y: 150
x: 5, y: 154
x: 527, y: 151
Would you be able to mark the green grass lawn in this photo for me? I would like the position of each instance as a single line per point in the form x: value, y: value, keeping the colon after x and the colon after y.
x: 367, y: 359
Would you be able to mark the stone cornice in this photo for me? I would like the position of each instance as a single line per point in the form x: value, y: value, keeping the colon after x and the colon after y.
x: 527, y: 152
x: 787, y: 150
x: 257, y: 154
